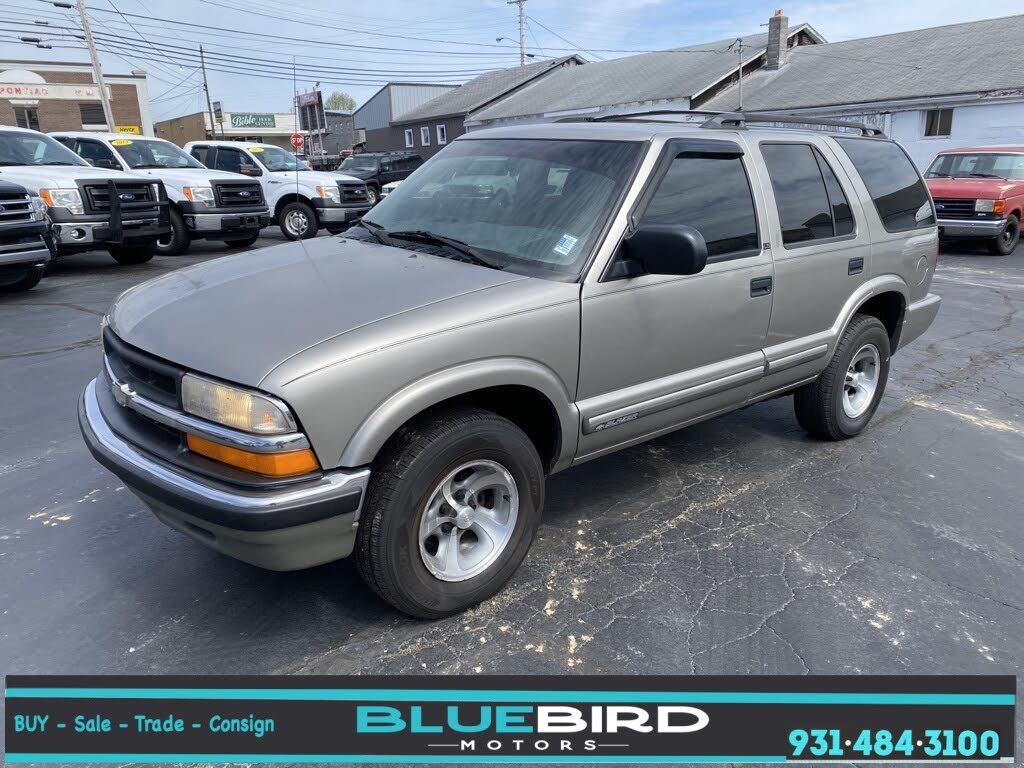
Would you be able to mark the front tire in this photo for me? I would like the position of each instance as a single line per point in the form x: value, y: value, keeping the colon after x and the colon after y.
x: 298, y: 221
x: 841, y: 402
x: 1007, y: 241
x: 372, y: 194
x: 29, y: 280
x: 133, y: 254
x: 177, y: 241
x: 453, y: 504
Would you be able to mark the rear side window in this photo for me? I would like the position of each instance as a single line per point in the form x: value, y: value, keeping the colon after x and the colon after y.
x: 712, y: 195
x: 810, y: 201
x: 201, y: 154
x: 896, y: 188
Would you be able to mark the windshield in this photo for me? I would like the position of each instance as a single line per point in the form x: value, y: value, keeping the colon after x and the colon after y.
x: 142, y: 153
x: 535, y: 206
x: 983, y: 165
x: 358, y: 163
x: 276, y: 159
x: 18, y: 148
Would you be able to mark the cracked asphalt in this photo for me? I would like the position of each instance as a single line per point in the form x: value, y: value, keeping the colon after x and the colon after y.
x: 735, y: 546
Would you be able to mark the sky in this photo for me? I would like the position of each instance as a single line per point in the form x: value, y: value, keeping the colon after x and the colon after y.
x: 356, y: 47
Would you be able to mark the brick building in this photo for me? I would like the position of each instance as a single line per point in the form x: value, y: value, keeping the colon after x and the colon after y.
x: 48, y: 96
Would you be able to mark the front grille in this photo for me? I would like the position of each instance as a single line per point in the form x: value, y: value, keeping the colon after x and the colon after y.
x: 955, y: 208
x: 150, y: 376
x: 98, y: 195
x: 237, y: 193
x: 15, y: 209
x: 352, y: 193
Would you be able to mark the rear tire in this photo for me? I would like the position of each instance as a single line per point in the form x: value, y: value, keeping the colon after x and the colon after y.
x: 1007, y: 241
x: 841, y: 402
x: 243, y: 242
x: 133, y: 254
x: 298, y: 221
x: 393, y: 545
x: 26, y: 282
x: 177, y: 241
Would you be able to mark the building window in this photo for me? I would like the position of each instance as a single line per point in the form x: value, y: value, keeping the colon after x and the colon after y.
x: 938, y: 122
x: 92, y: 114
x: 26, y: 117
x: 425, y: 136
x: 408, y: 138
x: 442, y: 134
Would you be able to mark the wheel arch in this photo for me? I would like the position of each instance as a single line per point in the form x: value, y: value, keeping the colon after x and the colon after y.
x: 885, y: 297
x: 889, y: 307
x: 286, y: 199
x: 527, y: 393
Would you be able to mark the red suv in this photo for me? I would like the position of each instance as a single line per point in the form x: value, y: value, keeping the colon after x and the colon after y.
x: 979, y: 193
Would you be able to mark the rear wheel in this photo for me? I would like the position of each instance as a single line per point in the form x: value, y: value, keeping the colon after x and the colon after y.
x: 177, y: 240
x: 298, y: 221
x: 453, y: 505
x: 27, y: 281
x: 841, y: 402
x: 243, y: 242
x: 1007, y: 241
x: 133, y: 254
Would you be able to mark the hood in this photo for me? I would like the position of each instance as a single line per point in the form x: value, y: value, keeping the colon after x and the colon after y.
x: 238, y: 317
x: 986, y: 189
x: 36, y: 177
x: 357, y: 174
x: 191, y: 177
x: 315, y: 178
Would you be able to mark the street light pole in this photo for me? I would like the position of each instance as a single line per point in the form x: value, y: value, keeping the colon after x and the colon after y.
x: 97, y: 70
x: 522, y: 26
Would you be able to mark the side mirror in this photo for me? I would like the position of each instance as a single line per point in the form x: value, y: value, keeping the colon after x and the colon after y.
x: 662, y: 249
x: 101, y: 162
x: 248, y: 170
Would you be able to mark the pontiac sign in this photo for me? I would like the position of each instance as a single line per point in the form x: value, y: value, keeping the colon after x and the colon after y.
x: 49, y: 91
x: 251, y: 120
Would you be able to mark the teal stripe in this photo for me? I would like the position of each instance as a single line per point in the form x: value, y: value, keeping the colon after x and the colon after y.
x: 76, y: 757
x: 487, y: 696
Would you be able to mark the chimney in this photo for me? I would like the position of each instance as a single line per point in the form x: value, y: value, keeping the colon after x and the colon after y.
x: 778, y: 31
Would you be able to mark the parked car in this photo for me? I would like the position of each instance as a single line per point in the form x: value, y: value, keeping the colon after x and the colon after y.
x: 979, y: 193
x: 402, y: 391
x: 300, y: 200
x: 90, y: 208
x: 378, y: 169
x: 24, y: 250
x: 388, y: 188
x: 204, y: 204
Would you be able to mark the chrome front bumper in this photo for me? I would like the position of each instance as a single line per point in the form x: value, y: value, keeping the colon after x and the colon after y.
x: 205, y: 223
x: 340, y: 215
x: 970, y: 227
x: 286, y: 527
x: 24, y: 253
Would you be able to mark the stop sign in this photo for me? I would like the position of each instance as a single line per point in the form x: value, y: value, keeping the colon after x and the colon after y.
x: 297, y: 140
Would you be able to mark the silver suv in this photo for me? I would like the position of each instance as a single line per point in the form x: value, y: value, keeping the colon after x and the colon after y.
x: 402, y: 391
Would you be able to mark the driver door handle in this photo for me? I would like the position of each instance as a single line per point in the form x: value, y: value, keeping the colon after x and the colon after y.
x: 760, y: 286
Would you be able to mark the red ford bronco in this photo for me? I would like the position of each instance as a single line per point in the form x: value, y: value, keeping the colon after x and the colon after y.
x: 979, y: 193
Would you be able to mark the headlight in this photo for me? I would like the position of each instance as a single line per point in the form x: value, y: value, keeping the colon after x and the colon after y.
x: 198, y: 194
x: 329, y: 193
x: 63, y: 198
x: 237, y: 408
x: 38, y: 208
x: 984, y: 206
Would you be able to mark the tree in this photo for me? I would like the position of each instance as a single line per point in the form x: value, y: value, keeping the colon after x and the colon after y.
x: 340, y: 100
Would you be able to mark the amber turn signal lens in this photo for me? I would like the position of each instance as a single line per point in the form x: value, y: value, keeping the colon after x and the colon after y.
x: 999, y: 206
x: 270, y: 464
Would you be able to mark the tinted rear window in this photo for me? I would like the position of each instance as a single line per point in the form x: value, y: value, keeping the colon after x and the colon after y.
x: 896, y: 188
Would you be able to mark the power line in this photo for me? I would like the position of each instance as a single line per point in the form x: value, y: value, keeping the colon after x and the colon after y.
x: 564, y: 40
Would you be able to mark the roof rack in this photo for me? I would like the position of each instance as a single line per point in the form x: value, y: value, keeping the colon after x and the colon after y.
x: 734, y: 120
x: 739, y: 120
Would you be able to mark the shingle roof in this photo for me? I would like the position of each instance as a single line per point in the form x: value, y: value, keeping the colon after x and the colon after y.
x: 663, y: 75
x: 959, y: 58
x: 480, y: 91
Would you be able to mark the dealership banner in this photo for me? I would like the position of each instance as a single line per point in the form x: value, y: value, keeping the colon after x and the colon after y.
x: 506, y: 719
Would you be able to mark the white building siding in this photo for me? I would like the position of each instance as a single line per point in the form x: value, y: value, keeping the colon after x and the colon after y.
x: 979, y: 124
x: 405, y: 98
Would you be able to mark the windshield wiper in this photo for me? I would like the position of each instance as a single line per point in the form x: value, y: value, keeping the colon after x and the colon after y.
x: 985, y: 176
x: 376, y: 230
x: 423, y: 236
x: 58, y: 162
x: 147, y: 165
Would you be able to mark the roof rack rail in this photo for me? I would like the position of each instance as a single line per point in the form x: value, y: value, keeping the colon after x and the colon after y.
x: 739, y: 120
x: 629, y: 115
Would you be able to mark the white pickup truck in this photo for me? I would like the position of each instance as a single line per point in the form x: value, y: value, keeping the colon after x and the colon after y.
x: 204, y: 204
x: 90, y: 208
x: 301, y: 201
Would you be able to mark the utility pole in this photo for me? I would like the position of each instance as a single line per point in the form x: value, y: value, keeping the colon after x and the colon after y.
x: 739, y: 75
x: 206, y: 87
x: 97, y: 70
x: 522, y: 27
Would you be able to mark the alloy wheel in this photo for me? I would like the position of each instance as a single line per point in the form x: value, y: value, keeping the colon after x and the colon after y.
x: 861, y: 381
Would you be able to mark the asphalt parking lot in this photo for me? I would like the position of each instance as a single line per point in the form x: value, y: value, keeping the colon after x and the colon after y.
x: 736, y: 546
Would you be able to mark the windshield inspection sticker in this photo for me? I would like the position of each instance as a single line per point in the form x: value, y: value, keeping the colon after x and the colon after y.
x: 255, y: 149
x: 565, y: 245
x: 121, y: 142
